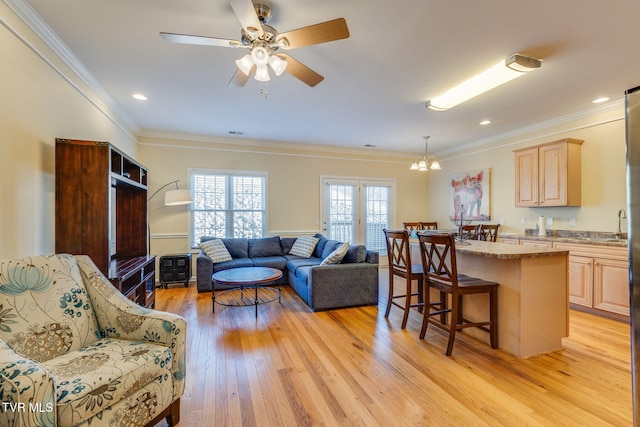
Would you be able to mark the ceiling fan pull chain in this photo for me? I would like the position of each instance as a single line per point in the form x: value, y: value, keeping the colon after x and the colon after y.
x: 265, y: 90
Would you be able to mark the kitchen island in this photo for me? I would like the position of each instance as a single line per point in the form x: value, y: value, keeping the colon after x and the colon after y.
x: 533, y: 298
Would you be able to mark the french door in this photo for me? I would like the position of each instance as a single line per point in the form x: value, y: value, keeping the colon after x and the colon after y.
x: 357, y: 210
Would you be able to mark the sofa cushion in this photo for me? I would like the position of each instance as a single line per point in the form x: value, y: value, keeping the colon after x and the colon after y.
x: 267, y: 246
x: 286, y: 243
x: 44, y: 307
x: 355, y: 254
x: 320, y: 246
x: 294, y: 264
x: 303, y: 273
x: 304, y: 246
x: 336, y: 256
x: 238, y: 247
x: 329, y: 247
x: 278, y: 262
x: 234, y: 263
x: 95, y: 377
x: 216, y: 250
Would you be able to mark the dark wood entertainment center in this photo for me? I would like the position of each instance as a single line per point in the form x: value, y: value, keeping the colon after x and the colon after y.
x: 101, y: 211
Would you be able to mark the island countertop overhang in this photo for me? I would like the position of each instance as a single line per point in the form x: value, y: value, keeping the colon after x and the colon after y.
x: 504, y: 250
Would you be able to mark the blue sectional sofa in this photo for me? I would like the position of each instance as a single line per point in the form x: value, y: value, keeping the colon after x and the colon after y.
x: 353, y: 282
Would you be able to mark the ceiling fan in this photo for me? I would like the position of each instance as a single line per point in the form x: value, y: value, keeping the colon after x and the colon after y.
x: 264, y: 43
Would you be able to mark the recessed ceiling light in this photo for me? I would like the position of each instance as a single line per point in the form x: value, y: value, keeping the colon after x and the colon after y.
x: 139, y: 97
x: 236, y: 132
x: 600, y: 100
x: 485, y: 122
x: 370, y: 145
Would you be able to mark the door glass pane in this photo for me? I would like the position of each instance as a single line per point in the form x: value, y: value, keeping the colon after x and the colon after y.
x: 376, y: 217
x: 341, y: 206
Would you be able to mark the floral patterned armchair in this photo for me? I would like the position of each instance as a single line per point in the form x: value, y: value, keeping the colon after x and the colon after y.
x: 75, y: 352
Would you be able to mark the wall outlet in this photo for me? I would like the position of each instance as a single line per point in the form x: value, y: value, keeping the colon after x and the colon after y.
x: 523, y: 220
x: 573, y: 222
x: 549, y: 221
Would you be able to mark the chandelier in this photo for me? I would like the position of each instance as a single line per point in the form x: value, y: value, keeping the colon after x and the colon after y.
x: 423, y: 164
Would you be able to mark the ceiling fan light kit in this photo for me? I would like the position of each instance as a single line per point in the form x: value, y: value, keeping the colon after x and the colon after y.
x: 263, y: 41
x: 513, y: 67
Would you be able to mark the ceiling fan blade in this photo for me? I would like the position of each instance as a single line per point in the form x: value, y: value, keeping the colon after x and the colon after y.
x: 246, y: 13
x: 199, y: 40
x: 314, y: 34
x: 240, y: 79
x: 300, y: 71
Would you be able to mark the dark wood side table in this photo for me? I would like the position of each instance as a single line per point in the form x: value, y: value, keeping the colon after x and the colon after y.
x: 242, y: 279
x: 175, y: 268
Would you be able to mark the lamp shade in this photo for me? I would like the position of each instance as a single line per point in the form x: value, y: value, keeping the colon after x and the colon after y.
x: 278, y: 65
x: 245, y: 64
x: 262, y: 74
x: 177, y: 197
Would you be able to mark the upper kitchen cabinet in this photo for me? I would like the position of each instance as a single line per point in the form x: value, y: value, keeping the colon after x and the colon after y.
x: 549, y: 174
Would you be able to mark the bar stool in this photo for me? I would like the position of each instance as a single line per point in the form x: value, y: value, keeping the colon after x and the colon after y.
x: 399, y: 255
x: 431, y: 225
x: 470, y: 232
x: 411, y: 226
x: 438, y: 255
x: 489, y: 232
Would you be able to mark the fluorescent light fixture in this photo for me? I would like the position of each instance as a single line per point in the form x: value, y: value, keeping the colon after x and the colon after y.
x: 504, y: 71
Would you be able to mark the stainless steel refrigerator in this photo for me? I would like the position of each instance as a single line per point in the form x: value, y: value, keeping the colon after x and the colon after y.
x: 633, y: 216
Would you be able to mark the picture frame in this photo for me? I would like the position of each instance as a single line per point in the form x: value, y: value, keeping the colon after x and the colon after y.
x: 470, y: 195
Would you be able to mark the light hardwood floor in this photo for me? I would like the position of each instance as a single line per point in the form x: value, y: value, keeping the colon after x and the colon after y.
x: 353, y: 367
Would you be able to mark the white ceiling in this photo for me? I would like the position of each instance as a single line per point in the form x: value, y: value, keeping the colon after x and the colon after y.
x: 399, y: 54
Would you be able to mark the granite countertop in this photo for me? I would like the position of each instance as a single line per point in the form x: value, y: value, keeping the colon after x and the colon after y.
x: 567, y: 236
x: 506, y: 251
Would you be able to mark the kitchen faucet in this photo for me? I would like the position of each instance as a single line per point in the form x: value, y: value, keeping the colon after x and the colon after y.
x: 622, y: 214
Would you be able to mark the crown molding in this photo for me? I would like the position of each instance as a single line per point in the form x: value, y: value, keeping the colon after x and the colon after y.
x: 29, y: 16
x: 613, y: 106
x: 259, y: 146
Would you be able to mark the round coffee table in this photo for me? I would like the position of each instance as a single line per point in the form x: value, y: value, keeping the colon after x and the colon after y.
x: 244, y: 278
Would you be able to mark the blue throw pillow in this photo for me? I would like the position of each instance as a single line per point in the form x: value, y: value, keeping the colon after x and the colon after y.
x: 355, y: 254
x: 336, y: 256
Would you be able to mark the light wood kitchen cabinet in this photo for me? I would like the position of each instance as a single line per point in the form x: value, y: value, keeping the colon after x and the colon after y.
x: 539, y: 243
x: 598, y: 278
x: 581, y: 280
x: 611, y: 285
x: 508, y: 240
x: 549, y: 174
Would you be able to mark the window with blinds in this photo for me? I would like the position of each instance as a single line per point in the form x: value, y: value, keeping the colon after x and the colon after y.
x: 227, y: 205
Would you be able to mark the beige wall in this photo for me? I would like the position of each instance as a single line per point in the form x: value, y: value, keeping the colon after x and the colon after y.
x: 40, y: 99
x: 603, y: 175
x: 293, y: 179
